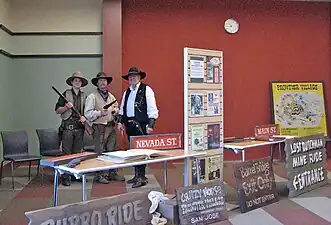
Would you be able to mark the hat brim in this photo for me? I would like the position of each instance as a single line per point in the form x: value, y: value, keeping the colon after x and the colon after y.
x: 95, y: 80
x: 142, y: 75
x: 70, y: 79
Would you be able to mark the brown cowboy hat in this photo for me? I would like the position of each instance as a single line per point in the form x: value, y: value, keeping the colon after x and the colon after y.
x: 101, y: 75
x: 134, y: 71
x: 79, y: 75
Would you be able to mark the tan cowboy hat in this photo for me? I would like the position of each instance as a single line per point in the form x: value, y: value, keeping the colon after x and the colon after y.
x: 134, y: 71
x: 101, y: 75
x: 79, y: 75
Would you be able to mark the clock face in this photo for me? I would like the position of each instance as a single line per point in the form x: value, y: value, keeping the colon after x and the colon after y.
x: 231, y: 26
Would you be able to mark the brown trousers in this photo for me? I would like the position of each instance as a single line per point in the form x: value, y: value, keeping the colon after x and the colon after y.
x: 72, y: 141
x: 105, y: 138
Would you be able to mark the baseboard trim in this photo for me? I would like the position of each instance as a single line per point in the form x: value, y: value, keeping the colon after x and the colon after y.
x: 5, y: 53
x: 60, y: 33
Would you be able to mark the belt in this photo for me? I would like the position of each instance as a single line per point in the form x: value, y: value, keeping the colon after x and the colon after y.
x: 73, y: 126
x: 109, y: 124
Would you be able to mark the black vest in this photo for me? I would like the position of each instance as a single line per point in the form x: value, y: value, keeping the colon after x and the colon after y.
x: 140, y: 105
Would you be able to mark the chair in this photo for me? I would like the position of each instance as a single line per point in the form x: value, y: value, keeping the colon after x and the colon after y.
x: 49, y: 145
x: 16, y: 150
x: 88, y: 143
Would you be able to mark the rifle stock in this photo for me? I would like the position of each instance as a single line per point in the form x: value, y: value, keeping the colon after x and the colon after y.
x: 88, y: 128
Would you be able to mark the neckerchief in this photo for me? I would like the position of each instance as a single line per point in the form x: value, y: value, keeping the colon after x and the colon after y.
x: 104, y: 94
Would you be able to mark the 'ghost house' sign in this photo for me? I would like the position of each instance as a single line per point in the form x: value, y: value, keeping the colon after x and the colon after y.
x: 128, y: 209
x: 305, y: 163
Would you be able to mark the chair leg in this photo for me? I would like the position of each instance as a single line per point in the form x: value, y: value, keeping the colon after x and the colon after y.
x: 29, y: 170
x: 38, y: 168
x: 12, y: 174
x: 42, y: 175
x: 1, y: 171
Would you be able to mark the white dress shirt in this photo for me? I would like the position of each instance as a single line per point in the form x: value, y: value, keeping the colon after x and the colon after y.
x: 152, y: 110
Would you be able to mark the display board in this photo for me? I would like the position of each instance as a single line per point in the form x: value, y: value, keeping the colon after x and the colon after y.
x: 305, y: 164
x: 299, y: 108
x: 201, y: 204
x: 203, y: 110
x: 255, y: 183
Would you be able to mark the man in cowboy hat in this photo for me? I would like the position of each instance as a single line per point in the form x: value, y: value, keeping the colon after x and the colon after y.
x: 103, y: 120
x: 138, y: 113
x: 72, y: 129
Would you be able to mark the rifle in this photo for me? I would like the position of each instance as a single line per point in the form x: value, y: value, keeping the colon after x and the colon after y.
x: 86, y: 125
x: 110, y: 104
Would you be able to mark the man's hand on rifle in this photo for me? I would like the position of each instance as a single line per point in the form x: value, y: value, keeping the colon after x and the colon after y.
x: 120, y: 128
x: 69, y: 105
x: 104, y: 112
x: 149, y: 130
x: 82, y: 119
x: 115, y: 110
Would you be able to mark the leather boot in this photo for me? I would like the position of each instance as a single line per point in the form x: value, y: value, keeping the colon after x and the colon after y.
x: 66, y: 180
x: 114, y: 176
x: 133, y: 180
x: 141, y: 180
x: 143, y: 173
x: 100, y: 178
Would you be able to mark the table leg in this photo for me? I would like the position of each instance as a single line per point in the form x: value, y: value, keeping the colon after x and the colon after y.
x: 197, y: 169
x: 280, y: 151
x: 186, y: 173
x: 243, y: 155
x: 56, y: 187
x: 165, y: 177
x: 84, y: 187
x: 272, y: 152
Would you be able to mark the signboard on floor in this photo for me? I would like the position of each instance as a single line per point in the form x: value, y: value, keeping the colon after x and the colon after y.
x: 306, y: 163
x: 256, y: 184
x: 202, y: 203
x: 131, y: 208
x: 156, y: 141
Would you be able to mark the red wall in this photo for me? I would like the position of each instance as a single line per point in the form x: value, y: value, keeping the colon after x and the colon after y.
x: 276, y: 41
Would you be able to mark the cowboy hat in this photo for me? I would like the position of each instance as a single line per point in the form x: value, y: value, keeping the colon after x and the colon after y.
x: 101, y: 75
x: 79, y: 75
x: 134, y: 71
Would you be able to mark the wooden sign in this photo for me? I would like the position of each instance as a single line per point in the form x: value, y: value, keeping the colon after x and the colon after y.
x: 202, y: 203
x: 60, y: 160
x: 158, y: 141
x: 128, y: 209
x: 267, y: 130
x: 256, y: 184
x: 305, y: 163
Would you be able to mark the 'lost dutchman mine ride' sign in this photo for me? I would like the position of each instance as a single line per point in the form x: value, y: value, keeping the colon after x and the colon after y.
x: 305, y: 163
x: 256, y: 184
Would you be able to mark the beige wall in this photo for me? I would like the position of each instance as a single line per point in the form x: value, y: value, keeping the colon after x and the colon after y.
x: 51, y: 16
x: 55, y: 15
x: 34, y: 76
x: 4, y: 8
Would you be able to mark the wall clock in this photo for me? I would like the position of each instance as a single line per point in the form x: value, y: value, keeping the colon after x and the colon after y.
x: 231, y: 26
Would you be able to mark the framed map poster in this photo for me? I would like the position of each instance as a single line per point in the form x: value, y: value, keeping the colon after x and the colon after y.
x: 299, y: 108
